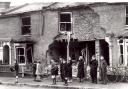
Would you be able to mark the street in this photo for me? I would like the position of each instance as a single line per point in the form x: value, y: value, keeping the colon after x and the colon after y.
x: 28, y: 83
x: 21, y: 87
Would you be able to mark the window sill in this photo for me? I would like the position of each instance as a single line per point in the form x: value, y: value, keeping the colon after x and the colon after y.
x: 64, y: 32
x: 126, y: 26
x: 26, y: 35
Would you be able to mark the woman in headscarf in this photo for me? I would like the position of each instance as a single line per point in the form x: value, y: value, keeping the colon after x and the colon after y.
x: 103, y: 70
x: 81, y: 73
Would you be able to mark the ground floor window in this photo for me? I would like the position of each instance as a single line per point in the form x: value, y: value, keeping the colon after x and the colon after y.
x: 24, y: 53
x: 20, y: 51
x: 123, y: 46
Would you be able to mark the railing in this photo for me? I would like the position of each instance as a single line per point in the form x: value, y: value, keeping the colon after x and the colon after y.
x: 117, y: 73
x: 5, y: 68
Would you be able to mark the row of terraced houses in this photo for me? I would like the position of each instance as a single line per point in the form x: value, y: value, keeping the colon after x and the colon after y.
x: 38, y: 31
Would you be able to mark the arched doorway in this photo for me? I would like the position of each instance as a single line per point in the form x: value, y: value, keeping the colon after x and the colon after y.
x: 6, y: 54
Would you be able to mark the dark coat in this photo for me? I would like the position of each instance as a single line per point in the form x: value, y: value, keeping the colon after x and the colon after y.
x: 65, y: 70
x: 93, y: 70
x: 103, y: 70
x: 61, y: 71
x: 16, y: 68
x: 69, y: 66
x: 54, y: 69
x: 34, y: 69
x: 81, y: 73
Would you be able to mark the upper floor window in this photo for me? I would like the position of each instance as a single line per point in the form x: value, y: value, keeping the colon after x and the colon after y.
x: 126, y: 15
x: 65, y: 21
x: 26, y: 25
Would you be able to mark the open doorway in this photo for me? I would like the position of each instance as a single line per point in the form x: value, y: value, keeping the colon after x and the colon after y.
x: 104, y: 50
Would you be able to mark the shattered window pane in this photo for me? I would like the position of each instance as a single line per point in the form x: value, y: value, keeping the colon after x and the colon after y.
x: 26, y: 25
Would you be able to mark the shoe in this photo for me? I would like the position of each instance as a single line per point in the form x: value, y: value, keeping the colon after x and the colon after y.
x: 16, y: 82
x: 66, y: 84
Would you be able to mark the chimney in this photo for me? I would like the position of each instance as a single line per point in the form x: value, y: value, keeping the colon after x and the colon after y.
x: 4, y: 5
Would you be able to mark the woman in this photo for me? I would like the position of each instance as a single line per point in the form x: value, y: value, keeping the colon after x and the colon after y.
x: 93, y: 69
x: 81, y: 73
x: 38, y: 72
x: 69, y: 64
x: 65, y: 72
x: 61, y: 69
x: 103, y: 70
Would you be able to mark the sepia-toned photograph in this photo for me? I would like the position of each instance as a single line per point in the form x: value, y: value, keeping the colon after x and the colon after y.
x: 63, y: 45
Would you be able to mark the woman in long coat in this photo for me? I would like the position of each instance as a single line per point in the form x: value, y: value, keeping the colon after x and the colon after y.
x: 81, y: 73
x: 38, y: 72
x: 93, y: 69
x: 103, y: 70
x: 69, y: 64
x: 61, y: 69
x: 65, y: 72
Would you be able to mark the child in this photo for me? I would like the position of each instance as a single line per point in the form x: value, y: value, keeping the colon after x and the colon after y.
x: 17, y: 70
x: 54, y: 70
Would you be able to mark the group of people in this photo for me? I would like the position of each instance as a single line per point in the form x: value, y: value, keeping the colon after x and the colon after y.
x: 66, y: 70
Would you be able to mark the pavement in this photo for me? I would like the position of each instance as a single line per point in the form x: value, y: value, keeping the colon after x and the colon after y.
x: 47, y: 83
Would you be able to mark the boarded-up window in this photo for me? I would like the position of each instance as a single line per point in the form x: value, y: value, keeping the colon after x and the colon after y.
x: 26, y: 25
x: 65, y: 21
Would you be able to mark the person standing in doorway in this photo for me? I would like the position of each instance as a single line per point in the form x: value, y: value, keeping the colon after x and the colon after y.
x: 103, y: 70
x: 16, y: 66
x: 93, y: 69
x: 81, y: 73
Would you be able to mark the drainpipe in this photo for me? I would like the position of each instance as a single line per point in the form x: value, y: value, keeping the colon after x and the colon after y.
x: 68, y: 44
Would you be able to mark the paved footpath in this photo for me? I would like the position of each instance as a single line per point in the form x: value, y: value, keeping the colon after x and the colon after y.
x: 47, y: 83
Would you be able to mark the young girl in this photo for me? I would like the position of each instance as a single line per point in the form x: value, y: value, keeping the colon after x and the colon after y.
x: 17, y: 70
x: 54, y: 70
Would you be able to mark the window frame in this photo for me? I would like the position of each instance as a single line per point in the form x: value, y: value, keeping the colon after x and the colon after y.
x: 65, y: 22
x: 17, y: 55
x: 22, y: 25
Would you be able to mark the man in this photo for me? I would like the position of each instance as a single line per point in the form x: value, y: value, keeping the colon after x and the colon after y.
x: 103, y: 70
x: 93, y: 69
x: 34, y: 70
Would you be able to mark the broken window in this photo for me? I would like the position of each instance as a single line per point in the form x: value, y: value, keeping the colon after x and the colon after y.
x: 65, y: 21
x: 20, y: 51
x: 26, y: 25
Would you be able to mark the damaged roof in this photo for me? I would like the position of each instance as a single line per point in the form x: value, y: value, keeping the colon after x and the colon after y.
x: 26, y: 8
x: 29, y: 7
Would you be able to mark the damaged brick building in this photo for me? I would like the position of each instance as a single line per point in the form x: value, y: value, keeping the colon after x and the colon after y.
x: 38, y: 31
